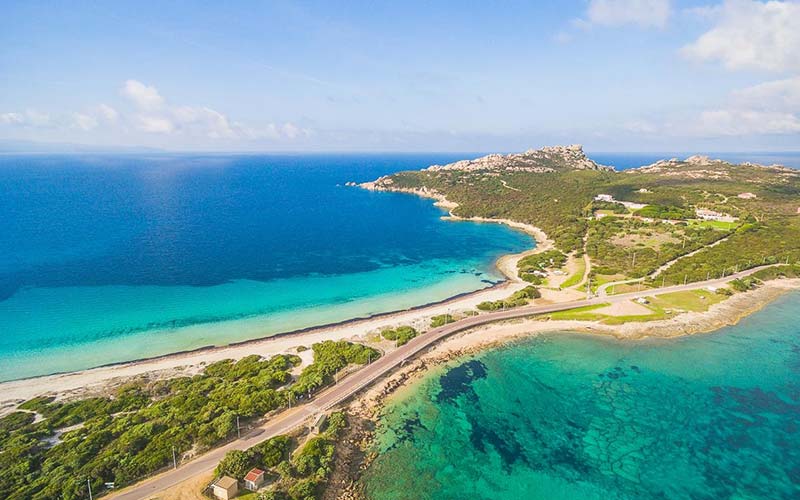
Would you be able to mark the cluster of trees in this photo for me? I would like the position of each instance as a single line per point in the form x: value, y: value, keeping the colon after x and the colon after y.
x: 131, y: 435
x: 549, y: 259
x: 776, y: 240
x: 300, y: 473
x: 400, y: 335
x: 771, y: 273
x: 610, y: 257
x: 329, y: 358
x: 745, y: 284
x: 614, y: 207
x: 519, y: 298
x: 665, y: 212
x: 441, y: 320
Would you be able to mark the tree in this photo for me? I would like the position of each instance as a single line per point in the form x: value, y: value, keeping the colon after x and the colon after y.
x: 235, y: 464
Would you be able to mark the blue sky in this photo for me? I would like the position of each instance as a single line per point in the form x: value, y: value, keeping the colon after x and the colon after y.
x: 614, y: 75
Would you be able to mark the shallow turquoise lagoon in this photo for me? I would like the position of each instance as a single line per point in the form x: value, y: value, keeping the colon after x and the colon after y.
x: 567, y: 416
x: 110, y: 258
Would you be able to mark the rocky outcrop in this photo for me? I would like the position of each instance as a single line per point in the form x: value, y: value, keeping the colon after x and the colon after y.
x: 699, y: 161
x: 386, y: 183
x: 547, y: 159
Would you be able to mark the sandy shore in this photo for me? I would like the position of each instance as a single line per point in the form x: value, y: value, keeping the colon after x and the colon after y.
x: 100, y: 380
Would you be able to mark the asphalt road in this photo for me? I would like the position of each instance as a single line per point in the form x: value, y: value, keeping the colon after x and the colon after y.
x: 357, y: 381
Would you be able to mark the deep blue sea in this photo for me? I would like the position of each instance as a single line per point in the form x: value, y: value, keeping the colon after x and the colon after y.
x: 113, y: 258
x: 110, y: 258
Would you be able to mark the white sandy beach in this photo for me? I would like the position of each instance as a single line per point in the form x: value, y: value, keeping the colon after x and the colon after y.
x: 100, y: 380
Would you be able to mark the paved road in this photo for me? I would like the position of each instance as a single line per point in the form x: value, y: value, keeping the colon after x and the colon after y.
x: 346, y: 388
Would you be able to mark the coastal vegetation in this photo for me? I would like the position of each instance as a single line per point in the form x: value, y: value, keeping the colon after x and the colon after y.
x: 665, y: 212
x: 518, y: 298
x: 50, y: 448
x: 635, y: 248
x: 530, y: 266
x: 441, y: 320
x: 400, y: 335
x: 298, y: 469
x: 754, y: 216
x: 577, y: 276
x: 772, y: 241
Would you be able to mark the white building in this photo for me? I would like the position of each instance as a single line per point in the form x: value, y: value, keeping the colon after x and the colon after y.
x: 254, y: 479
x: 713, y: 215
x: 225, y: 488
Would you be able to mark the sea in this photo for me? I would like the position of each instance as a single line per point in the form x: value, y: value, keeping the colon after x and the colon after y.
x: 107, y: 258
x: 112, y: 258
x: 579, y: 417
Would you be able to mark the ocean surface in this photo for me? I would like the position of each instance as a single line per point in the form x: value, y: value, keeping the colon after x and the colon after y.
x: 577, y: 417
x: 112, y: 258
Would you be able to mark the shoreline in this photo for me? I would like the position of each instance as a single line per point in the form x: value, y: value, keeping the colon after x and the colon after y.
x: 100, y: 379
x: 367, y: 409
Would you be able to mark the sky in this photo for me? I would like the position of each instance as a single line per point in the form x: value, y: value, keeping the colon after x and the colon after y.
x: 613, y: 75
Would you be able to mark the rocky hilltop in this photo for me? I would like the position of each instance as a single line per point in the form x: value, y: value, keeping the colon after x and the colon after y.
x: 704, y: 167
x: 547, y: 159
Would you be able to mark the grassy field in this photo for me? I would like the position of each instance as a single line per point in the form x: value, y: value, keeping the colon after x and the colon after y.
x: 580, y: 313
x: 601, y: 279
x: 577, y: 276
x: 589, y: 313
x: 658, y: 313
x: 713, y: 224
x: 626, y: 287
x: 691, y: 300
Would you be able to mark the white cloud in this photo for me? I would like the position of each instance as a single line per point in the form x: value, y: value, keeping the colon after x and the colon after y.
x: 776, y: 95
x: 30, y: 118
x: 770, y: 108
x: 766, y: 108
x: 153, y: 115
x: 154, y: 124
x: 143, y: 96
x: 290, y: 130
x: 83, y: 121
x: 12, y: 119
x: 643, y: 13
x: 748, y: 34
x: 107, y: 112
x: 206, y: 121
x: 744, y: 122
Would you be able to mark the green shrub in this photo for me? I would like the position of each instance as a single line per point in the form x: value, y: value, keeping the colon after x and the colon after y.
x: 401, y: 334
x: 441, y: 320
x: 304, y: 489
x: 236, y: 464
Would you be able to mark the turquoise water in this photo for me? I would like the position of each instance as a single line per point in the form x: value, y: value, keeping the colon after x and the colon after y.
x: 568, y: 416
x: 106, y: 259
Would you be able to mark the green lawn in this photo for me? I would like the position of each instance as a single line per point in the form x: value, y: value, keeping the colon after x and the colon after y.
x: 601, y: 279
x: 713, y: 224
x: 579, y: 313
x: 577, y: 276
x: 587, y: 314
x: 690, y: 300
